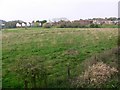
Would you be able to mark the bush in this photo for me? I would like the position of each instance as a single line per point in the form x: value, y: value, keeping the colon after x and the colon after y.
x: 95, y: 75
x: 47, y: 25
x: 94, y: 26
x: 68, y: 24
x: 31, y: 71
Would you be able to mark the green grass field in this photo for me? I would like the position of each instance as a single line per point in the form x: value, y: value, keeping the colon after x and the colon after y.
x: 56, y: 47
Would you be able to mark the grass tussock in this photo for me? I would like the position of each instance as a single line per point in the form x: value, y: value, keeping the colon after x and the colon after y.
x: 99, y: 71
x: 95, y: 75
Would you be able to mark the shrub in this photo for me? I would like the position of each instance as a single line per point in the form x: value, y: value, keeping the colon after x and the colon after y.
x: 95, y: 75
x: 31, y: 71
x: 94, y: 26
x: 47, y: 25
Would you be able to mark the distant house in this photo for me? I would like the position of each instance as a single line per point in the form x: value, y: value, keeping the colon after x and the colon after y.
x: 59, y: 19
x: 102, y: 21
x: 83, y: 22
x: 2, y: 24
x: 108, y: 22
x: 23, y: 24
x: 40, y: 24
x: 28, y: 24
x: 115, y: 22
x: 18, y: 25
x: 97, y: 21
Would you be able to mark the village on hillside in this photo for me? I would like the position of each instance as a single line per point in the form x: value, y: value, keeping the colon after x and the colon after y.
x: 59, y: 22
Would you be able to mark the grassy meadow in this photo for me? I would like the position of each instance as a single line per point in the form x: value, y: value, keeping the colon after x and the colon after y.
x: 56, y: 48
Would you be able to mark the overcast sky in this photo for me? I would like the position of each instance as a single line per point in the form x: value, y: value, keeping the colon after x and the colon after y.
x: 28, y: 10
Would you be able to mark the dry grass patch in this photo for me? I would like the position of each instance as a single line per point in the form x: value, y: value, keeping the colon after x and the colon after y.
x: 71, y: 52
x: 95, y: 75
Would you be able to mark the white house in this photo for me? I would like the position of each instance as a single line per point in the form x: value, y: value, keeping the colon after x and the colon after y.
x: 102, y: 21
x: 18, y: 25
x: 23, y: 24
x: 2, y: 25
x: 28, y: 24
x: 39, y: 24
x: 115, y: 22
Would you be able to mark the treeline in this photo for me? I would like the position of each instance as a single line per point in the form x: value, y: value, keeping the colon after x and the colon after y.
x: 68, y: 24
x: 65, y: 23
x: 88, y: 23
x: 13, y: 24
